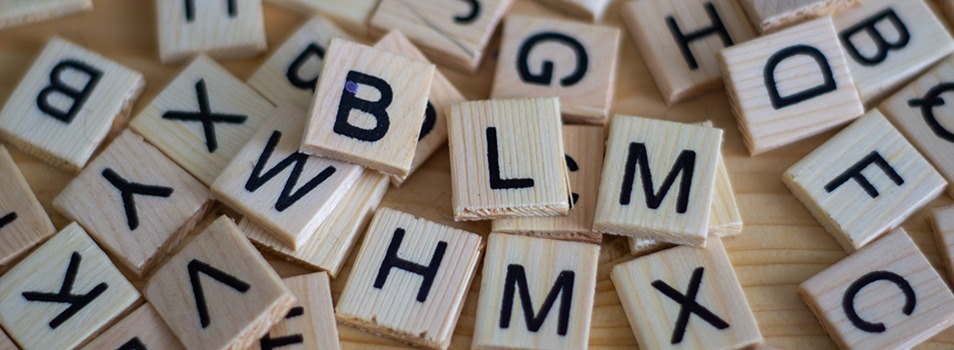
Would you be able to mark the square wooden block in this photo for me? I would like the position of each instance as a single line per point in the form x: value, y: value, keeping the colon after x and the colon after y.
x: 142, y: 329
x: 864, y: 182
x: 507, y: 159
x: 330, y: 245
x: 452, y: 33
x: 310, y: 324
x: 919, y: 111
x: 202, y: 118
x: 62, y: 293
x: 66, y: 103
x: 135, y: 202
x: 520, y: 272
x: 23, y: 221
x: 790, y: 85
x: 369, y: 108
x: 772, y: 15
x: 15, y: 12
x: 410, y: 279
x: 221, y: 29
x: 689, y: 32
x: 888, y: 42
x: 218, y: 292
x: 591, y: 10
x: 636, y: 199
x: 288, y: 192
x: 887, y: 295
x: 686, y: 298
x: 291, y: 74
x: 943, y: 220
x: 442, y: 96
x: 584, y: 161
x: 353, y: 15
x: 543, y: 57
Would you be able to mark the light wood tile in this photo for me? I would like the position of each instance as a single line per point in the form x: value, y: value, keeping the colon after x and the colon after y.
x: 864, y: 182
x: 141, y: 329
x: 410, y: 279
x: 591, y: 10
x: 6, y: 343
x: 62, y: 293
x: 507, y: 159
x: 221, y: 29
x: 943, y: 224
x: 288, y: 192
x: 520, y: 272
x: 135, y: 202
x: 23, y: 221
x: 643, y: 246
x: 202, y: 118
x: 15, y: 12
x: 310, y: 324
x: 218, y: 292
x: 725, y: 218
x: 66, y: 103
x: 544, y: 57
x: 353, y: 15
x: 686, y: 298
x: 772, y: 15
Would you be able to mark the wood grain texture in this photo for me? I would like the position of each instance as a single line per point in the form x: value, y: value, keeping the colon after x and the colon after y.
x: 14, y: 12
x: 379, y: 140
x: 772, y: 15
x: 138, y: 231
x: 392, y: 300
x: 856, y: 209
x: 6, y: 343
x: 943, y: 225
x: 186, y: 141
x: 237, y: 316
x: 224, y: 30
x: 591, y: 10
x: 24, y: 222
x: 530, y: 44
x: 528, y: 134
x: 45, y: 270
x: 256, y: 182
x: 350, y: 14
x: 879, y: 269
x: 142, y: 327
x: 547, y: 267
x: 724, y: 218
x: 68, y: 140
x: 313, y: 324
x: 648, y: 23
x: 750, y: 82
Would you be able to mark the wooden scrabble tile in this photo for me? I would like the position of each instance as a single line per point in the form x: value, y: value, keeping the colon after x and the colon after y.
x: 520, y: 272
x: 62, y: 293
x: 943, y: 220
x: 644, y: 246
x: 724, y: 218
x: 288, y: 192
x: 637, y: 200
x: 221, y: 29
x: 218, y: 292
x: 443, y: 95
x: 772, y: 15
x: 584, y: 161
x: 888, y: 42
x: 202, y: 118
x: 23, y: 222
x: 353, y: 15
x: 452, y: 33
x: 686, y: 298
x: 789, y: 85
x: 15, y: 12
x: 507, y: 159
x: 402, y: 286
x: 919, y: 111
x: 369, y: 108
x: 591, y: 10
x: 66, y: 103
x: 291, y: 73
x: 887, y: 295
x: 6, y: 343
x: 142, y: 329
x: 331, y: 243
x: 582, y: 55
x: 691, y: 32
x: 136, y: 203
x: 864, y: 181
x: 310, y: 324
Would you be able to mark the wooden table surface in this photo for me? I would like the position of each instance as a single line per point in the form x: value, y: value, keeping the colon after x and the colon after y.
x: 781, y: 246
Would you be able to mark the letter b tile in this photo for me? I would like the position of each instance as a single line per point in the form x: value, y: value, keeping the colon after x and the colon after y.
x: 864, y: 181
x: 886, y: 295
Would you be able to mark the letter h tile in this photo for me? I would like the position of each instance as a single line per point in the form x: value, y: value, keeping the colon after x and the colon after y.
x: 410, y: 279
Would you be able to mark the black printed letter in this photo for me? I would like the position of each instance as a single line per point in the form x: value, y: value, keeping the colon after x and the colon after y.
x: 573, y: 167
x: 294, y: 69
x: 132, y: 344
x: 637, y: 157
x: 931, y: 99
x: 269, y: 343
x: 689, y: 305
x: 779, y: 101
x: 546, y: 73
x: 377, y: 109
x: 205, y: 116
x: 65, y: 296
x: 430, y: 119
x: 127, y: 191
x: 58, y: 86
x: 195, y: 267
x: 190, y: 9
x: 470, y: 17
x: 7, y: 219
x: 854, y: 173
x: 848, y: 301
x: 391, y: 260
x: 517, y: 278
x: 683, y: 40
x: 289, y: 195
x: 493, y: 162
x: 869, y: 26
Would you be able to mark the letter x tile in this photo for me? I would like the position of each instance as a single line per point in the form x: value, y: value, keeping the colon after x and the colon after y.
x: 62, y: 293
x: 202, y: 118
